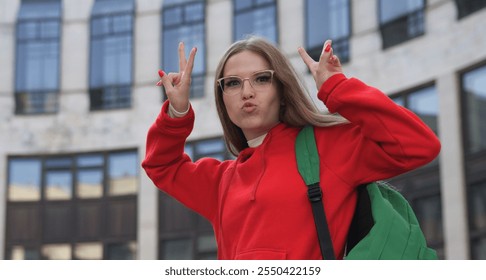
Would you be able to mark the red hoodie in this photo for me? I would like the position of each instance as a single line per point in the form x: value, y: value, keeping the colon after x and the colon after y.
x: 258, y: 203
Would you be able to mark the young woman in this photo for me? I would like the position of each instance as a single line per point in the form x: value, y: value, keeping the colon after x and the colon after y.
x: 258, y: 203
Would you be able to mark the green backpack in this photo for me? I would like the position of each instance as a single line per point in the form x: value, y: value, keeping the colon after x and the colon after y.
x: 384, y: 226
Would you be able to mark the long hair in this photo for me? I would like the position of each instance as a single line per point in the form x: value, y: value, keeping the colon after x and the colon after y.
x: 296, y: 110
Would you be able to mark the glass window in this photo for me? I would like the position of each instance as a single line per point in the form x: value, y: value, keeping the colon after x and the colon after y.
x: 467, y: 7
x: 90, y: 184
x: 254, y: 17
x: 477, y: 206
x: 23, y: 253
x: 328, y: 20
x: 88, y: 251
x: 44, y: 221
x: 37, y: 57
x: 423, y: 102
x: 474, y: 107
x: 58, y: 185
x: 184, y: 21
x: 56, y: 252
x: 122, y: 251
x: 401, y: 21
x: 24, y: 179
x: 178, y: 249
x: 214, y: 148
x: 429, y: 214
x: 123, y: 173
x: 111, y: 54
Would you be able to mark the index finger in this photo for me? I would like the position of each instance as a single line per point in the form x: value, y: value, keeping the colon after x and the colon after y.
x: 182, y: 58
x: 305, y: 57
x: 190, y: 64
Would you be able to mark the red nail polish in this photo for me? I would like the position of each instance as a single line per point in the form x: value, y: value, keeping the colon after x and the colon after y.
x: 161, y: 73
x: 328, y: 48
x: 159, y: 83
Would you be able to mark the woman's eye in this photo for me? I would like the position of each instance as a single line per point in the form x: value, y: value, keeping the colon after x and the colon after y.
x: 262, y: 79
x: 232, y: 83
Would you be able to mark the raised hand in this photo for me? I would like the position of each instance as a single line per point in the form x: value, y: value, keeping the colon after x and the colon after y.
x: 327, y: 65
x: 177, y: 85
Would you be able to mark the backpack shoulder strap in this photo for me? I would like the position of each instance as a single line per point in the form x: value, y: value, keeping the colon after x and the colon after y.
x: 308, y: 165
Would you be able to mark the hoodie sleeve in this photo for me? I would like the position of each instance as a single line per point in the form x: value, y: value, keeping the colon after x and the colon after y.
x: 382, y: 140
x: 194, y: 184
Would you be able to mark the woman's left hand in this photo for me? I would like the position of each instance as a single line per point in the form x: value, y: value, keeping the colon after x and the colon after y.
x: 327, y: 65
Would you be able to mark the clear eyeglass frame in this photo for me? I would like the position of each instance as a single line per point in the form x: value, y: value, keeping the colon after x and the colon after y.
x: 232, y: 85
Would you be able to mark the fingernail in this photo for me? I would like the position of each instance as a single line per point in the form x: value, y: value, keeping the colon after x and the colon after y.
x: 161, y: 73
x: 328, y: 48
x: 159, y: 83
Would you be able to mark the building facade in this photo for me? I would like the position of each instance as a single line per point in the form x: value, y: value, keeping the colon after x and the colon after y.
x: 78, y: 94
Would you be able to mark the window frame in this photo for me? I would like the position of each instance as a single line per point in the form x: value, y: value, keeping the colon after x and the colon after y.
x: 197, y: 89
x: 188, y: 225
x: 467, y: 8
x: 341, y: 46
x: 254, y: 7
x: 121, y: 93
x: 109, y: 231
x: 398, y: 21
x: 45, y: 95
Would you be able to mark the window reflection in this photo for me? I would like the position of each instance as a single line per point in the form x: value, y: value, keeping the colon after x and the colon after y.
x: 56, y: 252
x: 177, y: 249
x: 122, y: 251
x: 123, y: 171
x: 477, y: 206
x: 474, y: 89
x: 90, y: 184
x: 58, y: 185
x: 24, y: 180
x: 88, y: 251
x: 425, y: 104
x: 429, y: 214
x: 255, y: 17
x: 23, y: 253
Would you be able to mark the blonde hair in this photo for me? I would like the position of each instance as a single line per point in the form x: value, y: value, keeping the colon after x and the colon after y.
x: 296, y: 110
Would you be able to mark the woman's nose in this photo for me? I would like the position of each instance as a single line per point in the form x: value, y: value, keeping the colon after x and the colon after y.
x: 247, y: 91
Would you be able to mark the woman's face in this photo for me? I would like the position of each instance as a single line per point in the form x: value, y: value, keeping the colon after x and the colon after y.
x: 255, y: 108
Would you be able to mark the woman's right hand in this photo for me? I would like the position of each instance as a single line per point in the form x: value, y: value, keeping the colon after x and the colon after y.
x: 177, y: 85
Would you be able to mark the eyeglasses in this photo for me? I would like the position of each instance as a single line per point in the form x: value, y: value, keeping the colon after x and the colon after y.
x: 260, y: 80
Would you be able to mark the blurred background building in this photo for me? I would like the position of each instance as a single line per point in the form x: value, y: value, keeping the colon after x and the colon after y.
x: 78, y: 94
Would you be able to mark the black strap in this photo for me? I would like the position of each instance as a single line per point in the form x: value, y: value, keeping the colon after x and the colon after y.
x: 308, y: 164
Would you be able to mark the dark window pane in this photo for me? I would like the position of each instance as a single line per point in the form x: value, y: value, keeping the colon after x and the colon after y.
x: 477, y: 206
x: 89, y: 221
x: 478, y: 249
x: 23, y: 223
x: 58, y: 226
x: 467, y: 7
x: 401, y: 21
x: 123, y: 251
x: 24, y: 180
x: 178, y: 249
x: 474, y: 85
x: 429, y: 213
x: 122, y: 218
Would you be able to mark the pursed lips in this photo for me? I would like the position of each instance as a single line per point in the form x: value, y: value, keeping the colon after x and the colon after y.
x: 249, y: 107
